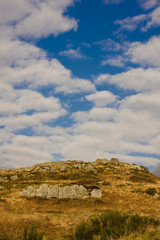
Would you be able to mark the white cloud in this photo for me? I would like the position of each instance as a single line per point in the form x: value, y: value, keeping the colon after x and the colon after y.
x: 109, y: 45
x: 144, y: 21
x: 100, y: 114
x: 148, y: 4
x: 144, y: 101
x: 24, y: 71
x: 130, y: 126
x: 101, y: 98
x: 117, y: 61
x: 27, y: 150
x: 21, y: 101
x: 13, y: 51
x: 93, y: 139
x: 13, y: 11
x: 146, y: 54
x: 131, y: 23
x: 156, y: 171
x: 73, y: 54
x: 35, y: 19
x: 153, y: 19
x: 35, y: 73
x: 137, y: 79
x: 112, y: 1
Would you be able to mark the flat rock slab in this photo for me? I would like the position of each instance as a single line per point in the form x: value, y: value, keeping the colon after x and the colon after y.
x: 54, y: 191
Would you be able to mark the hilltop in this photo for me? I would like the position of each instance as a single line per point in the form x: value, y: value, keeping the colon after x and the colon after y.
x: 56, y: 196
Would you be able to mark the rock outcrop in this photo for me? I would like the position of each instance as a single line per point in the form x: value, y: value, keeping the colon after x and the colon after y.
x: 54, y: 191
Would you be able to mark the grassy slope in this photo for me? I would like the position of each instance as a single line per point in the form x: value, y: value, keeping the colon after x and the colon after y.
x: 123, y: 189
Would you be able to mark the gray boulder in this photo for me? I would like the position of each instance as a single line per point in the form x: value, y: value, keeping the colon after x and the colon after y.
x: 14, y: 177
x: 114, y: 161
x: 54, y: 191
x: 101, y: 161
x: 29, y: 192
x: 42, y: 191
x: 96, y: 193
x: 78, y: 191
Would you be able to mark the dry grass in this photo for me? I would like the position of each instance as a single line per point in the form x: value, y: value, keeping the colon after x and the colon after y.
x: 58, y: 217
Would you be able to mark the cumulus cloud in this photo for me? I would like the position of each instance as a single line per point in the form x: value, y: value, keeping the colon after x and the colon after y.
x: 13, y: 11
x: 35, y: 73
x: 132, y: 127
x: 137, y: 79
x: 100, y: 114
x: 112, y: 127
x: 13, y: 51
x: 118, y: 134
x: 143, y: 21
x: 148, y: 4
x: 147, y: 53
x: 27, y: 128
x: 148, y: 101
x: 153, y: 19
x: 73, y: 54
x: 117, y: 61
x: 26, y: 150
x: 109, y: 45
x: 32, y: 19
x: 156, y: 171
x: 135, y: 123
x: 131, y: 23
x: 101, y: 98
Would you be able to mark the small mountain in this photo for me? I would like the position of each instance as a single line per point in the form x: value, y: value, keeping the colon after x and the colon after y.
x: 56, y: 196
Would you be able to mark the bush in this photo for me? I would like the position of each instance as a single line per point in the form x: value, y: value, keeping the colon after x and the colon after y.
x: 32, y: 234
x: 84, y: 232
x: 151, y: 191
x: 113, y: 225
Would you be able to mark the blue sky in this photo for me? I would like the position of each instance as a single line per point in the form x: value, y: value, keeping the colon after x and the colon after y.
x: 80, y: 80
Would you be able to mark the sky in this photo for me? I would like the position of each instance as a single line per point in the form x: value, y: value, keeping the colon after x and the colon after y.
x: 79, y: 80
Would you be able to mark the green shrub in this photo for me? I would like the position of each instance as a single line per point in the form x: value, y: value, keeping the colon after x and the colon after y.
x: 32, y: 234
x: 151, y: 191
x: 2, y: 200
x: 113, y: 225
x: 84, y: 232
x: 141, y: 178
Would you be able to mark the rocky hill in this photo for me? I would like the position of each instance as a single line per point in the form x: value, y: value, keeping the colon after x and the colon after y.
x: 56, y: 196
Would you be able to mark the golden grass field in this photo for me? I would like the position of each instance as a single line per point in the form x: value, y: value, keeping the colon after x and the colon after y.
x: 123, y: 190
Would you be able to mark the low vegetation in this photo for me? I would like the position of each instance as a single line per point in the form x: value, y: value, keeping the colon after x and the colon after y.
x: 113, y: 225
x: 32, y: 234
x: 151, y: 191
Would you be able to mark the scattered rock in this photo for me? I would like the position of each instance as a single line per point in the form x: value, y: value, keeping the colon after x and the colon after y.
x: 156, y: 196
x: 14, y: 177
x: 30, y: 192
x: 102, y: 161
x: 89, y: 167
x: 78, y: 165
x: 64, y: 168
x: 37, y: 169
x: 114, y: 161
x: 96, y: 193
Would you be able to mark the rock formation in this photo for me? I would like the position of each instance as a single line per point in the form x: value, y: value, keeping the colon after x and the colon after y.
x: 54, y: 191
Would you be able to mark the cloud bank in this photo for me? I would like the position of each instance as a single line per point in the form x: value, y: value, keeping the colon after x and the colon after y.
x: 38, y: 119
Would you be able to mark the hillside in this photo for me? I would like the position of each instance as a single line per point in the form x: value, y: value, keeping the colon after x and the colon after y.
x: 28, y: 198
